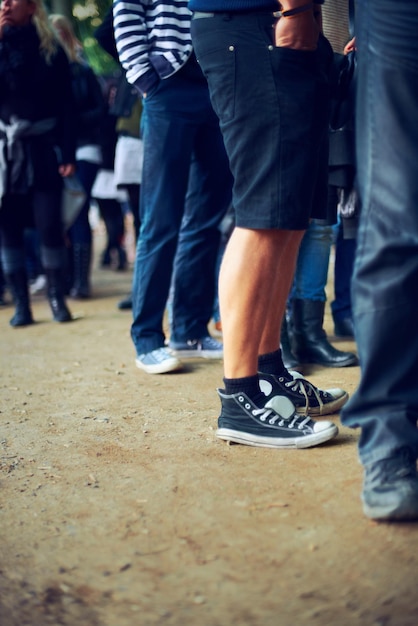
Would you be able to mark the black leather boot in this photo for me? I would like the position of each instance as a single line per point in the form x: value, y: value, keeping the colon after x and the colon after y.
x: 122, y: 259
x: 344, y: 327
x: 126, y: 303
x: 55, y: 293
x: 289, y: 360
x: 18, y: 283
x: 81, y: 271
x: 310, y: 343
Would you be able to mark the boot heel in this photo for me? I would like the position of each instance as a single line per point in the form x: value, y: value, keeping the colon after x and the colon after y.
x: 59, y: 309
x: 18, y: 283
x: 311, y: 343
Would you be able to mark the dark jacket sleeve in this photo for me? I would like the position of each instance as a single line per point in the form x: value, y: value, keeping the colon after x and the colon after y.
x: 91, y: 107
x: 105, y: 35
x: 66, y: 121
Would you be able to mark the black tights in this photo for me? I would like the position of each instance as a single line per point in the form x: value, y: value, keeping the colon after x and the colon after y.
x: 41, y: 210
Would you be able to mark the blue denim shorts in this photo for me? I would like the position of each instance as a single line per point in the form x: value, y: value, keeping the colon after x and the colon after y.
x: 273, y: 107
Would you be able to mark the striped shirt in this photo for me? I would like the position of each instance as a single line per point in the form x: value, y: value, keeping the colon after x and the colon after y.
x: 239, y: 6
x: 152, y: 38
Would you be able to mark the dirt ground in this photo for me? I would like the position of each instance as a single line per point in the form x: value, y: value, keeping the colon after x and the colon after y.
x: 119, y: 507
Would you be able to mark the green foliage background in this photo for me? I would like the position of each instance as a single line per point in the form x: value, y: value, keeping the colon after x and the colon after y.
x: 87, y: 15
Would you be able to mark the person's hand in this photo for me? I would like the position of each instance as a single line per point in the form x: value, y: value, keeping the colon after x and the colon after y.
x: 4, y: 21
x: 299, y: 32
x: 67, y: 169
x: 350, y: 46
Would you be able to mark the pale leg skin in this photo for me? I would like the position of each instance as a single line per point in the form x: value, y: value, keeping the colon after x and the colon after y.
x: 255, y: 279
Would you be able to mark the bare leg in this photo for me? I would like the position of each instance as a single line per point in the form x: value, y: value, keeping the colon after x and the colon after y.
x: 254, y: 283
x: 270, y: 340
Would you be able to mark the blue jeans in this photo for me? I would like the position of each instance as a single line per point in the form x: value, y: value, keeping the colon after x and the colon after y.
x: 80, y: 231
x: 185, y: 192
x: 385, y: 280
x: 311, y: 273
x: 345, y: 250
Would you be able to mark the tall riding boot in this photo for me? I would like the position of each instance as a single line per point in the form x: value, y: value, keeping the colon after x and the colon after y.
x: 2, y: 286
x: 310, y: 343
x: 289, y: 360
x: 122, y: 258
x: 55, y: 292
x: 111, y: 213
x: 81, y: 273
x: 18, y: 283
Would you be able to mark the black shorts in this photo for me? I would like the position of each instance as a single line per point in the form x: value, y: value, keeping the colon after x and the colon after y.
x: 273, y: 107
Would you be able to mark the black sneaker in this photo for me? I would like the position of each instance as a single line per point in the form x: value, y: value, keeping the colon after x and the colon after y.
x: 307, y: 398
x: 390, y: 490
x: 244, y: 422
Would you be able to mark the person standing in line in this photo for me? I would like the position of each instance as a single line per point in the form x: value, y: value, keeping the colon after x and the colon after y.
x: 269, y: 84
x: 304, y: 339
x: 186, y: 185
x: 37, y: 150
x: 385, y: 307
x: 127, y: 108
x: 108, y: 198
x: 342, y: 178
x: 90, y: 111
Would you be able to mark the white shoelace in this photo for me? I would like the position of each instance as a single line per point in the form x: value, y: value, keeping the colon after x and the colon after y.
x: 306, y: 389
x: 264, y: 414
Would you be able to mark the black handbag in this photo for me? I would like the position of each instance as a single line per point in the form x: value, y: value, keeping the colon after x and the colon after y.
x: 343, y: 101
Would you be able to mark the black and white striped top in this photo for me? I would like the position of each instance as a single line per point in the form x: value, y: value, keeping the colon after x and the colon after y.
x: 152, y: 38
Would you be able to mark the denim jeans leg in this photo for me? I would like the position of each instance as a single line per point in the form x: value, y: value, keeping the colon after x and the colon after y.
x: 208, y: 198
x: 80, y: 231
x: 385, y: 306
x: 167, y: 150
x: 345, y: 250
x: 312, y: 265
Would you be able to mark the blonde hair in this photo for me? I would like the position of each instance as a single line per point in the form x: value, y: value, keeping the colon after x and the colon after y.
x: 65, y: 32
x: 48, y: 40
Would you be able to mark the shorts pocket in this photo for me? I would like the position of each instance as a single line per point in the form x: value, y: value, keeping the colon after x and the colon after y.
x: 218, y: 64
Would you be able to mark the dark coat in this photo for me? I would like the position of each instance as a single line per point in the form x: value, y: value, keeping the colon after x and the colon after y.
x: 90, y: 106
x: 33, y: 89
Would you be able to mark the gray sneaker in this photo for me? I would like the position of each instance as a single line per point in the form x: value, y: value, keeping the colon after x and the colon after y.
x: 159, y: 361
x: 242, y: 421
x: 390, y: 490
x: 206, y: 348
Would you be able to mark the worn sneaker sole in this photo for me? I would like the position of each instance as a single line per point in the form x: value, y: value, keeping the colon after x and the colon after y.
x: 397, y: 504
x: 385, y: 514
x: 198, y: 354
x: 168, y: 365
x: 306, y: 441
